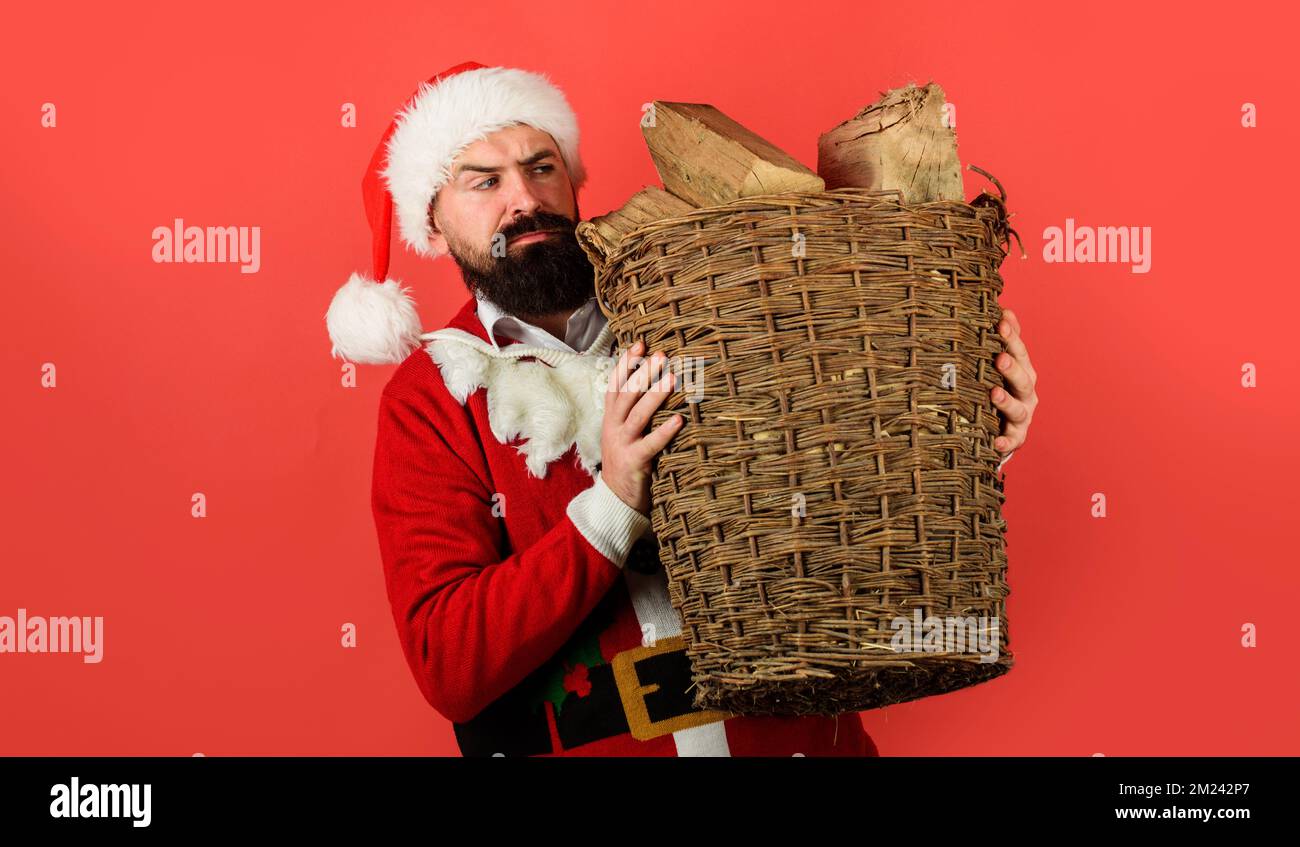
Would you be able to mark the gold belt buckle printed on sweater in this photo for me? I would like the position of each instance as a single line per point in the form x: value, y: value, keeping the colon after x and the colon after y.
x: 632, y: 691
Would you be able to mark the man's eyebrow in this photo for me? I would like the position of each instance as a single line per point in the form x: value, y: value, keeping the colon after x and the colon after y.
x: 484, y: 169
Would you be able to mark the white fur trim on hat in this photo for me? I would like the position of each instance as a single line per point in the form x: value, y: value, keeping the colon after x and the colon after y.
x: 372, y: 323
x: 445, y: 118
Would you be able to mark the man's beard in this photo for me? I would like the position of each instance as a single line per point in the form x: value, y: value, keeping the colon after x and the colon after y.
x: 546, y: 276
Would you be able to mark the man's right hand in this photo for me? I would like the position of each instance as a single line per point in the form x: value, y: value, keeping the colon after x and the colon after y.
x: 630, y: 402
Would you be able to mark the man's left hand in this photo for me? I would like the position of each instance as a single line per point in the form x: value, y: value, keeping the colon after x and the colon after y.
x: 1018, y: 406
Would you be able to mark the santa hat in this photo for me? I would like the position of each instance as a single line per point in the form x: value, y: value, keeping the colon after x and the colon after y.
x: 374, y: 322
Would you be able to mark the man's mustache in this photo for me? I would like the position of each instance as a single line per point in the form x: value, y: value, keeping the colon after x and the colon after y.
x: 538, y: 223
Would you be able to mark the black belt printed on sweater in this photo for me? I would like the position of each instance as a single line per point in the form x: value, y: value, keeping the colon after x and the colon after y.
x: 642, y: 691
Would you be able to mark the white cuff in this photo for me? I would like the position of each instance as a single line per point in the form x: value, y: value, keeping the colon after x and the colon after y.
x: 611, y: 525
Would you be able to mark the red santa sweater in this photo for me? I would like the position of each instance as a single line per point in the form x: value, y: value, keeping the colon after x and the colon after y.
x: 533, y: 610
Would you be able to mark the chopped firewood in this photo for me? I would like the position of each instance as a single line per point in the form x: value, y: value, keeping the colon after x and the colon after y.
x: 900, y: 142
x: 707, y: 159
x: 649, y: 204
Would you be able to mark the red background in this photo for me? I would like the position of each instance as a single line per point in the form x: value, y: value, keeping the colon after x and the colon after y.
x: 222, y: 635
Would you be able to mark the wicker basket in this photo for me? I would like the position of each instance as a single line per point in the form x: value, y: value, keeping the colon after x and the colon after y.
x: 835, y: 474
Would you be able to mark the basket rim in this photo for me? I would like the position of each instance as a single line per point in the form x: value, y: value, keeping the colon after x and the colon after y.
x: 891, y: 196
x: 984, y: 199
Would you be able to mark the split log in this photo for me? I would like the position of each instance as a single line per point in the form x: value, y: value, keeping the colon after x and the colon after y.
x: 706, y: 158
x: 604, y: 232
x: 900, y: 142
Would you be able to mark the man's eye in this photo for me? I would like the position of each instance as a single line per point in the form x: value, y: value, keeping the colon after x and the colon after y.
x: 487, y: 182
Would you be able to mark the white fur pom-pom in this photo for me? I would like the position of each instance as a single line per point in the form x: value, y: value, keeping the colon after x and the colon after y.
x: 372, y: 323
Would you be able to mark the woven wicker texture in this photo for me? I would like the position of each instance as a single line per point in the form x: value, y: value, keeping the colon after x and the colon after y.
x: 835, y: 355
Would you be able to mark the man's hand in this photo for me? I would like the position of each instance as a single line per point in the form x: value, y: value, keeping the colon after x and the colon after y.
x: 630, y: 402
x: 1019, y: 406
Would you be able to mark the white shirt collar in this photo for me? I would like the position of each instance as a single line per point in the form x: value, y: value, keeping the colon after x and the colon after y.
x: 584, y: 325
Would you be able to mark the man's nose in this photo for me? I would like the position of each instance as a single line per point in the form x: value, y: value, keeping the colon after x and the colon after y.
x: 521, y: 201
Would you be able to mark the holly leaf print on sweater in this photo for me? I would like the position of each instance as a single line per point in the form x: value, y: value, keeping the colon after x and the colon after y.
x: 570, y: 671
x: 560, y: 676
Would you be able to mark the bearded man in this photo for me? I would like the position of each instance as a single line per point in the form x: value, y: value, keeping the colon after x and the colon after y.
x: 511, y: 484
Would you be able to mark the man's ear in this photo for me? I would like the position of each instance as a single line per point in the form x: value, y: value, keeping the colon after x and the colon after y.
x: 437, y: 241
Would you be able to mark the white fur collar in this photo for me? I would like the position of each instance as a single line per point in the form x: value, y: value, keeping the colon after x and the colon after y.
x: 553, y: 405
